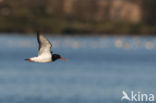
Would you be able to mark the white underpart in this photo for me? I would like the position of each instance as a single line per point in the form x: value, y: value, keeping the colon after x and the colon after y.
x: 44, y: 58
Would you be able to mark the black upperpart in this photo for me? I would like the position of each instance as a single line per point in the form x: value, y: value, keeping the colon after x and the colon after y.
x: 55, y: 57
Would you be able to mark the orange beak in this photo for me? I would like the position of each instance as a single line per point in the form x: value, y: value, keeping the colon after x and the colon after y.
x: 63, y: 58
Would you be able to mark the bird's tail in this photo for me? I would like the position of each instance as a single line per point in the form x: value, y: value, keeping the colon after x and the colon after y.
x: 29, y: 60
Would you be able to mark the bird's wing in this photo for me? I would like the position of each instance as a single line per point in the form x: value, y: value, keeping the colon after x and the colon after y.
x: 44, y: 45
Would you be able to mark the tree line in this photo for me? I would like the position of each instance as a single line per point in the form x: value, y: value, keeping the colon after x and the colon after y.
x: 76, y: 16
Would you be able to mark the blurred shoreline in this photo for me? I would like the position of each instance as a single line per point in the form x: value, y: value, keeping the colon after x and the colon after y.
x: 77, y: 34
x: 119, y: 17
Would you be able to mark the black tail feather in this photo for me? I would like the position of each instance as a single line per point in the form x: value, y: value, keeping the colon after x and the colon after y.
x: 26, y: 59
x: 29, y: 60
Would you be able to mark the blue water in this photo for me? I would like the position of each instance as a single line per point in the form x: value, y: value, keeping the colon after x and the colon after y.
x: 97, y: 71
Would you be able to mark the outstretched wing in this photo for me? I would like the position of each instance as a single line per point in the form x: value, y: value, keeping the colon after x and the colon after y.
x: 44, y: 44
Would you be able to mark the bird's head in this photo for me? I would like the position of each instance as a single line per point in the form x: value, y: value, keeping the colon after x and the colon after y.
x: 57, y: 56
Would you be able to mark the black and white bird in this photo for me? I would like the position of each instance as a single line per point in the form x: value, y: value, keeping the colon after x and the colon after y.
x: 44, y: 52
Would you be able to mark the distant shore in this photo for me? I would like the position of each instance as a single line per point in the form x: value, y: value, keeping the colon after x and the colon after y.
x: 102, y: 17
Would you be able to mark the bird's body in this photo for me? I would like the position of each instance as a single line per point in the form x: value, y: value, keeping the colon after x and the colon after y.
x: 41, y: 59
x: 44, y: 51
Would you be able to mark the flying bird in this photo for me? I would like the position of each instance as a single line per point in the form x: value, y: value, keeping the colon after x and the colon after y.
x: 45, y: 54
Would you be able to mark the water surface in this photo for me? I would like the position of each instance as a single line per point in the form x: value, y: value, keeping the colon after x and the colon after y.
x: 97, y: 71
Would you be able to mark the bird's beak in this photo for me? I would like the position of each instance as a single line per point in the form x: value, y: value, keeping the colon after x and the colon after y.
x: 63, y: 58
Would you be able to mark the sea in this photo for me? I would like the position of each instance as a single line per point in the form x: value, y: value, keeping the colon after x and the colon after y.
x: 98, y: 69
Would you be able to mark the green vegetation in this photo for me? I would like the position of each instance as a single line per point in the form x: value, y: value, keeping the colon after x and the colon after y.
x: 51, y: 16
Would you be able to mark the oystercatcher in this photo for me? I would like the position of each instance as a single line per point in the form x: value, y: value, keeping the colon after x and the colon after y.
x: 45, y: 54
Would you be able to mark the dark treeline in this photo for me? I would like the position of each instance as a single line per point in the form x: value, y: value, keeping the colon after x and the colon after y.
x: 78, y: 16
